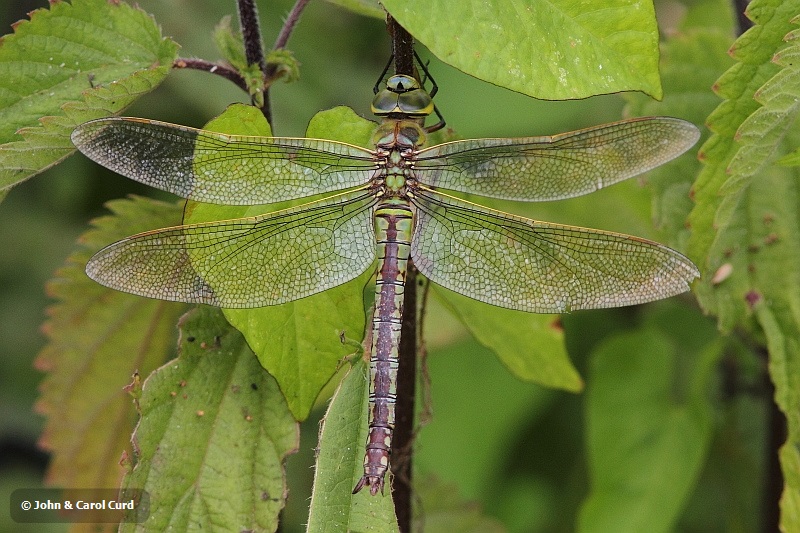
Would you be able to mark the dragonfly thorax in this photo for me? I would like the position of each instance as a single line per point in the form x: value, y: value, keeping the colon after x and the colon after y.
x: 402, y: 135
x: 396, y: 144
x: 395, y: 183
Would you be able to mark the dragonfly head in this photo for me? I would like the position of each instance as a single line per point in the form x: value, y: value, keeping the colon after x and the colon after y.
x: 403, y: 97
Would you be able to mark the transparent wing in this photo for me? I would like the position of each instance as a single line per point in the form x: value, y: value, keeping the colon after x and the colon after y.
x: 222, y: 169
x: 561, y: 166
x: 522, y: 264
x: 248, y: 262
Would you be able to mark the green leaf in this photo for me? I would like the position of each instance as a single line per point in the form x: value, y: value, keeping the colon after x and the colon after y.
x: 340, y: 464
x: 648, y: 431
x: 67, y: 65
x: 368, y: 8
x: 345, y: 124
x: 230, y: 44
x: 97, y: 339
x: 792, y: 159
x: 732, y: 231
x: 214, y: 432
x: 552, y: 50
x: 299, y: 343
x: 286, y: 65
x: 531, y: 346
x: 749, y: 236
x: 761, y: 133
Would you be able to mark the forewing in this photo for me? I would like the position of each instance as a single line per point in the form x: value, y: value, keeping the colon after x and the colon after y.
x: 219, y: 168
x: 561, y: 166
x: 522, y: 264
x: 248, y: 262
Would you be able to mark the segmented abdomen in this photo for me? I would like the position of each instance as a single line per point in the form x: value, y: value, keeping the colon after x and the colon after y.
x: 394, y: 220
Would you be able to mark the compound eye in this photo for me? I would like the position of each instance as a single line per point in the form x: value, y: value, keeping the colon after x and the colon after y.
x: 400, y: 83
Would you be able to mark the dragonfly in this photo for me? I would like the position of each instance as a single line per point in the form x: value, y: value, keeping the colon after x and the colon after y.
x: 388, y: 209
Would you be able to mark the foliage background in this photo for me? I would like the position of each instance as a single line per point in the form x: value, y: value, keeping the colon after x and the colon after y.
x: 519, y: 449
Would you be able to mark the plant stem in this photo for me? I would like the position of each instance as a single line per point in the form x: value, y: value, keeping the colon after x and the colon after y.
x: 253, y: 47
x: 214, y: 68
x: 402, y: 441
x: 291, y: 21
x: 402, y: 47
x: 251, y: 34
x: 283, y: 37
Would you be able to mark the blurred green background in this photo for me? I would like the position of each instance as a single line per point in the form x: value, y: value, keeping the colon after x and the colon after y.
x: 540, y: 458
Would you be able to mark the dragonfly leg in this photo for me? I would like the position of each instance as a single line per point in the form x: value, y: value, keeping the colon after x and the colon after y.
x: 434, y: 89
x: 380, y: 78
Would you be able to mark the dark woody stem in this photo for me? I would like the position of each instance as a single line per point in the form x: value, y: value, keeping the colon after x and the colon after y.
x: 251, y: 34
x: 253, y: 46
x: 403, y: 436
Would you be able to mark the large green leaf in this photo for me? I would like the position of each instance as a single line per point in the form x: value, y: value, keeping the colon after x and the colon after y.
x: 733, y: 229
x: 214, y: 432
x: 747, y: 229
x: 648, y: 431
x: 97, y: 339
x: 553, y: 50
x: 340, y: 464
x: 299, y: 343
x: 761, y: 133
x: 529, y: 345
x: 368, y: 8
x: 67, y: 65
